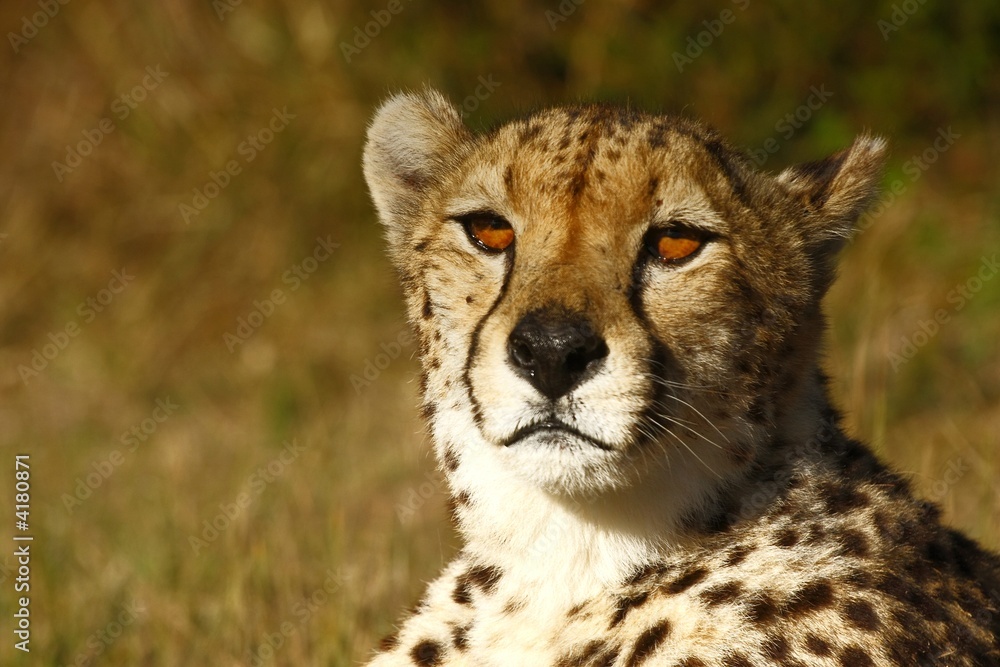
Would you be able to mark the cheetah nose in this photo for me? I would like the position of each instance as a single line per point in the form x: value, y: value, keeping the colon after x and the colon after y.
x: 555, y: 351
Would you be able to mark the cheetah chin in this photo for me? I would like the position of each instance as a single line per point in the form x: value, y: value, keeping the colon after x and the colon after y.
x: 620, y: 323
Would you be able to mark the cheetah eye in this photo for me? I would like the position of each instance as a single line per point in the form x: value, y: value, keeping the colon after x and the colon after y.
x: 488, y: 231
x: 672, y: 245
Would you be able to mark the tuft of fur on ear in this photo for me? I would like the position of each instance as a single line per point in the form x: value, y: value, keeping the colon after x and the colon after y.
x: 411, y: 141
x: 834, y: 193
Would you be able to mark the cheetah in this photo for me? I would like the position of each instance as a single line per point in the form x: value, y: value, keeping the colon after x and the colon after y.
x: 620, y: 325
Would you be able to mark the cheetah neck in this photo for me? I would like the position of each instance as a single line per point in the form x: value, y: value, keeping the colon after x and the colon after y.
x: 568, y: 548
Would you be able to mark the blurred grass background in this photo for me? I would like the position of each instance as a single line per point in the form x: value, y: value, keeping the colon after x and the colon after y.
x: 318, y: 562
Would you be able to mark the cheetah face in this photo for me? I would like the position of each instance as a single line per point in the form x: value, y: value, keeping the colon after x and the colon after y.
x: 589, y: 287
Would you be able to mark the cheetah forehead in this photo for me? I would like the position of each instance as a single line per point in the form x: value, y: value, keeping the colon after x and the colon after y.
x: 607, y: 166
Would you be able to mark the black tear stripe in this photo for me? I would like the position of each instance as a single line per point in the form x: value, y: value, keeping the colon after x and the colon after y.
x: 662, y: 359
x: 635, y: 289
x: 477, y: 409
x: 651, y: 420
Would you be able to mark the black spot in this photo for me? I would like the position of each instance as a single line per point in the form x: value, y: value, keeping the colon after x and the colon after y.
x: 529, y: 133
x: 580, y: 178
x: 656, y: 136
x: 646, y: 573
x: 855, y: 656
x: 859, y: 579
x: 787, y: 538
x: 389, y: 642
x: 810, y: 598
x: 648, y: 642
x: 469, y: 299
x: 691, y: 662
x: 450, y: 460
x: 762, y: 609
x: 462, y: 594
x: 420, y: 247
x: 427, y: 653
x: 651, y: 187
x: 737, y: 555
x: 687, y: 580
x: 627, y: 604
x: 861, y: 614
x: 853, y: 543
x: 816, y: 534
x: 895, y: 587
x: 736, y: 660
x: 584, y: 656
x: 817, y: 645
x: 426, y: 311
x: 841, y: 499
x: 606, y: 659
x: 486, y: 577
x: 909, y: 594
x: 459, y: 637
x: 726, y: 593
x: 775, y: 647
x: 513, y: 605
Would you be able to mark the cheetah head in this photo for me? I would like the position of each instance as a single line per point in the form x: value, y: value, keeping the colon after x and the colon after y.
x: 604, y: 299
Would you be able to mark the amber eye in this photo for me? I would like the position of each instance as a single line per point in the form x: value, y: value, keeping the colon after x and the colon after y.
x: 490, y: 232
x: 673, y: 244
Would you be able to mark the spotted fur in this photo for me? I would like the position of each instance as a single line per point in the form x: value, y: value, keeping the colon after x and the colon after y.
x: 642, y: 456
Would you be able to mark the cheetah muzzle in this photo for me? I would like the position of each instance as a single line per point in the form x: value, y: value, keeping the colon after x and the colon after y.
x: 620, y: 323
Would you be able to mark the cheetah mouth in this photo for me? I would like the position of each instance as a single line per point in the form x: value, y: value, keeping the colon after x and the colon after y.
x: 554, y: 432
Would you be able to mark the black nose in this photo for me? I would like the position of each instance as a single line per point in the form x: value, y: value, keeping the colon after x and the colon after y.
x: 555, y: 351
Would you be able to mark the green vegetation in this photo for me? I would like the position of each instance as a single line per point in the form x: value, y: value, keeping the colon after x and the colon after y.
x: 206, y: 148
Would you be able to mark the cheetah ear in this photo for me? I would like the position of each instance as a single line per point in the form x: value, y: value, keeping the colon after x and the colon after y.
x: 835, y: 192
x: 411, y: 142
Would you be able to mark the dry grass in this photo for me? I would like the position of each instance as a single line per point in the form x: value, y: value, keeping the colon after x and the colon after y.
x: 335, y: 507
